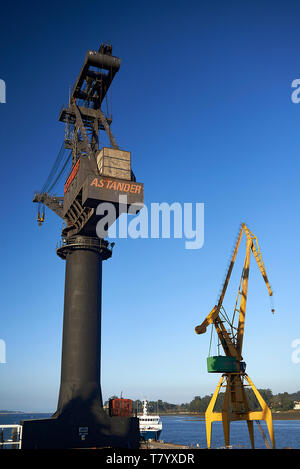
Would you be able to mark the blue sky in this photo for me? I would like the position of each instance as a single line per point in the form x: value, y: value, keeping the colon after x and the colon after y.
x: 203, y: 102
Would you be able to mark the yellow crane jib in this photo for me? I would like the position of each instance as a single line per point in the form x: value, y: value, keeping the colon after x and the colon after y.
x: 209, y: 320
x: 230, y: 334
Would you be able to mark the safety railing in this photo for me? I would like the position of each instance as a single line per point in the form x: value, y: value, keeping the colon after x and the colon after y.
x: 84, y: 241
x: 10, y: 436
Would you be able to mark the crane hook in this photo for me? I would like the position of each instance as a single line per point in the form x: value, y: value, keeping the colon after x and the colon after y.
x: 41, y: 216
x: 272, y: 304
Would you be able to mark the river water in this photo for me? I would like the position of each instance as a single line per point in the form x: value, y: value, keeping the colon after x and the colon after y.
x: 190, y: 430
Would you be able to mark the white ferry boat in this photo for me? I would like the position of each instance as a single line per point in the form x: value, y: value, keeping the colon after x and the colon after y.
x: 150, y: 425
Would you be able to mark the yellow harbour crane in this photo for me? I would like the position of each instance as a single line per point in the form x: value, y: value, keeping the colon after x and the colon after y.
x: 231, y: 333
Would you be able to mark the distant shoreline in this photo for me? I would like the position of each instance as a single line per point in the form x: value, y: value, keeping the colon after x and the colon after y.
x: 281, y: 415
x: 18, y: 412
x: 288, y: 415
x: 8, y: 412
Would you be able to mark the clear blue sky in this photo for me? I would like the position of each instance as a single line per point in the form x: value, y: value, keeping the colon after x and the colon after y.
x: 203, y: 102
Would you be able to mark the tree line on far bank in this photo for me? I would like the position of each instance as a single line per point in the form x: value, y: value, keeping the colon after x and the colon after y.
x: 278, y: 402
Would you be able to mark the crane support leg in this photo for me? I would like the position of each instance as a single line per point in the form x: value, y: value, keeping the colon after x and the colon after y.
x: 236, y: 408
x: 226, y: 416
x: 265, y: 413
x: 210, y: 415
x: 251, y: 433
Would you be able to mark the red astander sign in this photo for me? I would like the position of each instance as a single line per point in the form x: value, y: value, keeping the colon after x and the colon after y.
x: 114, y: 185
x: 108, y: 189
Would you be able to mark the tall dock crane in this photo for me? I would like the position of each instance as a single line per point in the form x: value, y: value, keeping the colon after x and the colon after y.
x: 97, y: 177
x: 231, y: 335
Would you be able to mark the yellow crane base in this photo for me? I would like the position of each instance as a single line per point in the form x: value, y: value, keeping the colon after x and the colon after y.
x: 235, y: 408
